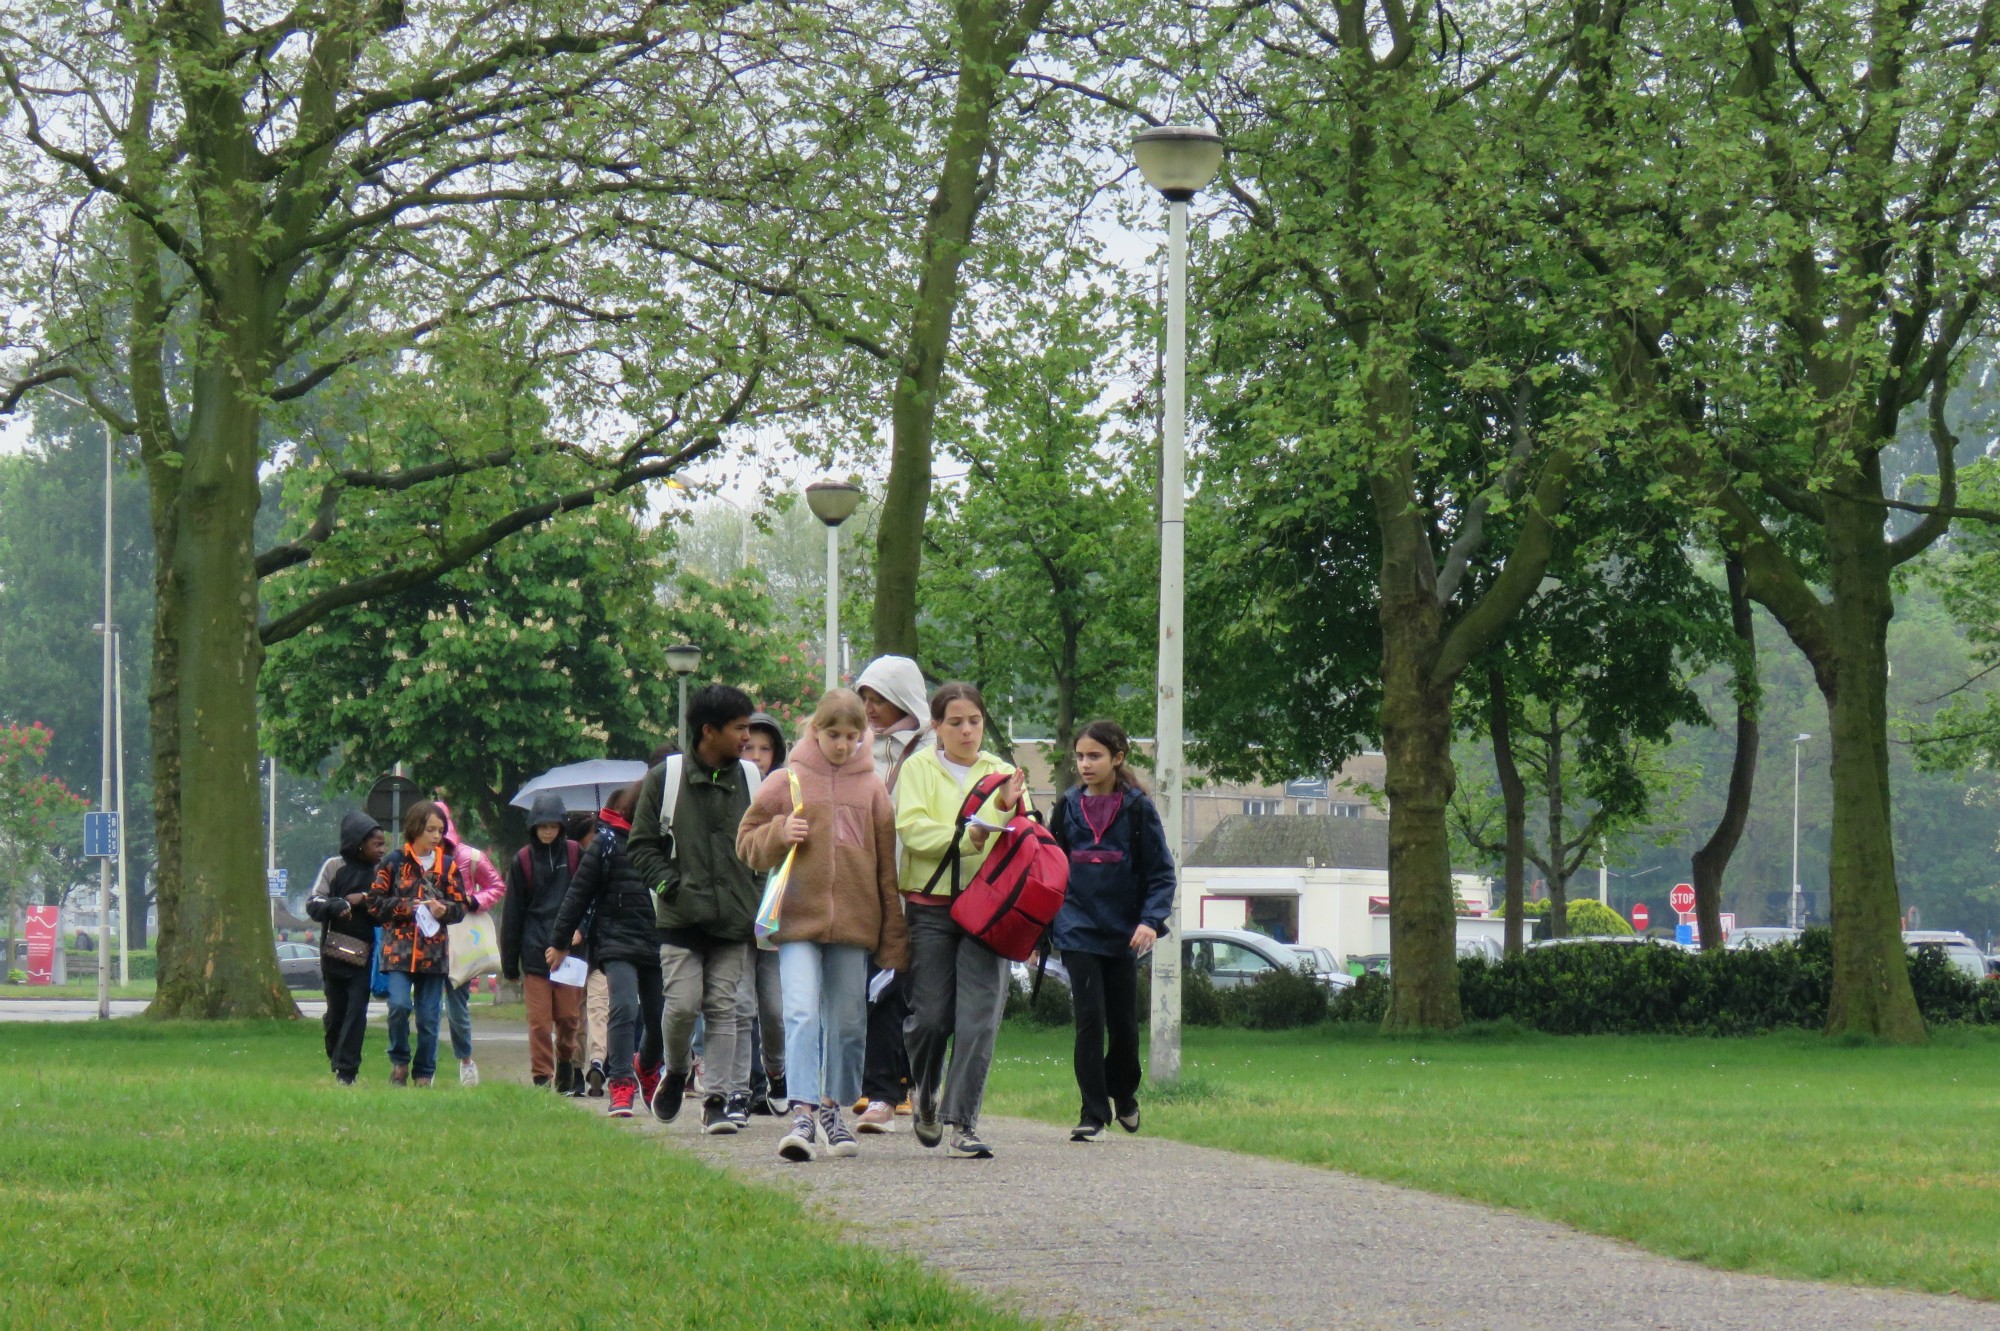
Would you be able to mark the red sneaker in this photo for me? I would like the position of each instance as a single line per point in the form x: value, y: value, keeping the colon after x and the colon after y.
x: 621, y: 1100
x: 649, y: 1081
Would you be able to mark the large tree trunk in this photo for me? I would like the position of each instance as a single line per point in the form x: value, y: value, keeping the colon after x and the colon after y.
x: 1712, y: 860
x: 221, y: 962
x: 1871, y: 979
x: 989, y: 42
x: 1557, y: 866
x: 1419, y: 780
x: 1513, y: 803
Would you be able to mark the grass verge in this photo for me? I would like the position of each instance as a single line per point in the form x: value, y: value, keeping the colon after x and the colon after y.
x: 1783, y: 1154
x: 163, y: 1175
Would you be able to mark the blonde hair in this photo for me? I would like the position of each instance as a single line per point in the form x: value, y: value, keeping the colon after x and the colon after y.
x: 840, y: 707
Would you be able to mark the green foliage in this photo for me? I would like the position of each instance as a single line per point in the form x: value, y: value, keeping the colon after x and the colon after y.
x: 545, y: 650
x: 37, y: 811
x: 1276, y: 1000
x: 1366, y: 1001
x: 1585, y: 915
x: 1042, y: 578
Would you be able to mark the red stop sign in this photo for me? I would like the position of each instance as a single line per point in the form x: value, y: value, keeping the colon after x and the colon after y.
x: 1682, y: 899
x: 1640, y: 916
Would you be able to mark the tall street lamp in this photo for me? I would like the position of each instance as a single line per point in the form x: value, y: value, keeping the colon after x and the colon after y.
x: 833, y: 502
x: 1798, y: 897
x: 684, y: 659
x: 1178, y: 161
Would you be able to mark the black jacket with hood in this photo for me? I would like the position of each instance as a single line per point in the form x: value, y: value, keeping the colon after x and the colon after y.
x: 534, y: 897
x: 609, y: 885
x: 339, y: 877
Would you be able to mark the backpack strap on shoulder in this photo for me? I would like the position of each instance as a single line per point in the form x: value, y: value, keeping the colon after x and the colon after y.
x: 981, y: 791
x: 670, y: 789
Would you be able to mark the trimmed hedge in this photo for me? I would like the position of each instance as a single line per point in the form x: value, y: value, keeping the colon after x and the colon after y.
x: 1627, y: 990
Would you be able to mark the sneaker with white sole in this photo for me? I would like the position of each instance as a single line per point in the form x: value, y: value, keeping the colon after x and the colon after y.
x: 966, y: 1145
x: 924, y: 1122
x: 1087, y: 1131
x: 879, y: 1116
x: 715, y: 1120
x: 468, y: 1073
x: 801, y: 1144
x: 738, y: 1108
x: 839, y: 1141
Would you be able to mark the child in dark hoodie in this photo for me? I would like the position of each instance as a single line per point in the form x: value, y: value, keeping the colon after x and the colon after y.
x: 338, y: 895
x: 622, y: 943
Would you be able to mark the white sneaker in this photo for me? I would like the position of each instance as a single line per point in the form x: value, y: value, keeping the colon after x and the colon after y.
x: 468, y: 1073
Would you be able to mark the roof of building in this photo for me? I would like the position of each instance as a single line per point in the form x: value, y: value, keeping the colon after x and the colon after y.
x: 1287, y: 840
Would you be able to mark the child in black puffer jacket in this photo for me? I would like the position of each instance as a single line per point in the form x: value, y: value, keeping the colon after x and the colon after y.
x: 624, y: 944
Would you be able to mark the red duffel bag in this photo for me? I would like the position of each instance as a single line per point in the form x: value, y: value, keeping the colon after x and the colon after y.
x: 1012, y: 901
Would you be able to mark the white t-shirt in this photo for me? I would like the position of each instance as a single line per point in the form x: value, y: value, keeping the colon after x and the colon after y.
x: 960, y: 773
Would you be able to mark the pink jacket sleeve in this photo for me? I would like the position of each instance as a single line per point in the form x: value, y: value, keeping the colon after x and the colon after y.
x: 485, y: 884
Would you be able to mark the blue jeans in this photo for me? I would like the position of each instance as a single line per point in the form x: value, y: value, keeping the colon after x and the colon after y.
x: 826, y: 1020
x: 458, y: 1003
x: 423, y: 994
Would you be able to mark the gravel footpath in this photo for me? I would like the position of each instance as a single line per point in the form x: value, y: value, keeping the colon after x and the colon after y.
x: 1139, y: 1232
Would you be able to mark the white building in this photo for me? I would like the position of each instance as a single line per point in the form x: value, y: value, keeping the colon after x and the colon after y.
x: 1309, y: 878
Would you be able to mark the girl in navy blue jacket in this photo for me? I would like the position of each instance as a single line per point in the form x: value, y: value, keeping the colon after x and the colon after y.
x: 1121, y: 888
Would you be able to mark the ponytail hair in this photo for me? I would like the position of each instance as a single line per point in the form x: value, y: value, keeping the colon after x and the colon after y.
x: 1112, y: 736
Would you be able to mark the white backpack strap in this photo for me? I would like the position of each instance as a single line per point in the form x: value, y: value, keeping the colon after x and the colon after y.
x: 670, y: 791
x: 752, y: 778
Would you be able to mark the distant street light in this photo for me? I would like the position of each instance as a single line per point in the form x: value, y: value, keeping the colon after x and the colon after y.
x: 684, y: 659
x: 1178, y: 161
x: 833, y: 502
x: 1798, y: 896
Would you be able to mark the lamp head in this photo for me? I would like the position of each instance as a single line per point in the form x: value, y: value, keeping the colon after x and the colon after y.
x: 833, y: 502
x: 684, y: 658
x: 1802, y: 739
x: 1178, y: 160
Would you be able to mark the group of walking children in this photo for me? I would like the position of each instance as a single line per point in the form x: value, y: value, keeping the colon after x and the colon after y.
x: 796, y: 907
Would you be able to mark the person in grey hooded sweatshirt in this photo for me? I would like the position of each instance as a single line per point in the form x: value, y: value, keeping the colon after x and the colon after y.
x: 899, y: 708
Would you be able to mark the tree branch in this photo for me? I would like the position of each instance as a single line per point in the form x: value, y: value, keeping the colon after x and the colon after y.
x: 297, y: 551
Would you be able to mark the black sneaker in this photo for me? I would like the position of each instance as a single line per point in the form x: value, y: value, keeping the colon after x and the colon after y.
x: 667, y: 1095
x: 801, y: 1144
x: 774, y: 1095
x: 715, y: 1120
x: 542, y: 1082
x: 1087, y: 1131
x: 965, y: 1144
x: 839, y: 1141
x: 737, y: 1107
x: 593, y: 1080
x: 924, y: 1116
x: 1128, y: 1117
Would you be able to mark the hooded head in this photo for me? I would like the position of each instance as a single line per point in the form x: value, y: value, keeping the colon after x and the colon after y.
x: 547, y: 808
x: 763, y: 723
x: 901, y: 683
x: 355, y: 829
x: 450, y: 828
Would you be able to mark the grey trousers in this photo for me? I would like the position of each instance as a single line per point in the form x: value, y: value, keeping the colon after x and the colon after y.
x: 705, y: 981
x: 761, y: 1000
x: 958, y: 992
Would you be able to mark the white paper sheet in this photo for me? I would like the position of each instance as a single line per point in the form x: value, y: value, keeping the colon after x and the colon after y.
x: 427, y: 924
x: 574, y: 972
x: 879, y: 983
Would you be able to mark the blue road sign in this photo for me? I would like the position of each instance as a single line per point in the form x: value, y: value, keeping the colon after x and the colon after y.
x: 1686, y: 933
x: 274, y: 882
x: 100, y: 836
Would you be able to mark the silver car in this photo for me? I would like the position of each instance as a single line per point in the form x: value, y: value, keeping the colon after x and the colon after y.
x: 1231, y: 957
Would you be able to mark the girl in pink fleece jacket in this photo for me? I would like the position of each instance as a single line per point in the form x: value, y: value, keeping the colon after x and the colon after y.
x: 485, y: 886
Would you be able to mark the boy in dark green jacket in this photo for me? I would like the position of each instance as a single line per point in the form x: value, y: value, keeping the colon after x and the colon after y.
x: 704, y: 901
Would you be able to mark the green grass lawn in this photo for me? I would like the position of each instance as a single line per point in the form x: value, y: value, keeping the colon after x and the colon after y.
x: 1783, y: 1154
x: 156, y: 1175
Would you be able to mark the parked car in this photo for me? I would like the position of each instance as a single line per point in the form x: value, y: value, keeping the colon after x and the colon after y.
x: 1762, y: 935
x: 1368, y: 963
x: 1320, y: 959
x: 298, y: 963
x: 1611, y: 940
x: 1486, y: 949
x: 1959, y: 950
x: 1232, y: 957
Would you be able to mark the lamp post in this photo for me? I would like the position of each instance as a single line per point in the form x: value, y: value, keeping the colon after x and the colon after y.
x: 684, y: 659
x: 106, y: 797
x: 833, y: 502
x: 1798, y: 897
x: 1178, y: 161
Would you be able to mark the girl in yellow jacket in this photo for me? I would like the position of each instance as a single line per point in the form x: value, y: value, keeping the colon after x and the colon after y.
x: 958, y: 988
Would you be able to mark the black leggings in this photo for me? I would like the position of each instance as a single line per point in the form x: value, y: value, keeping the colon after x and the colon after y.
x: 885, y: 1074
x: 346, y: 1018
x: 1105, y: 994
x: 638, y: 994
